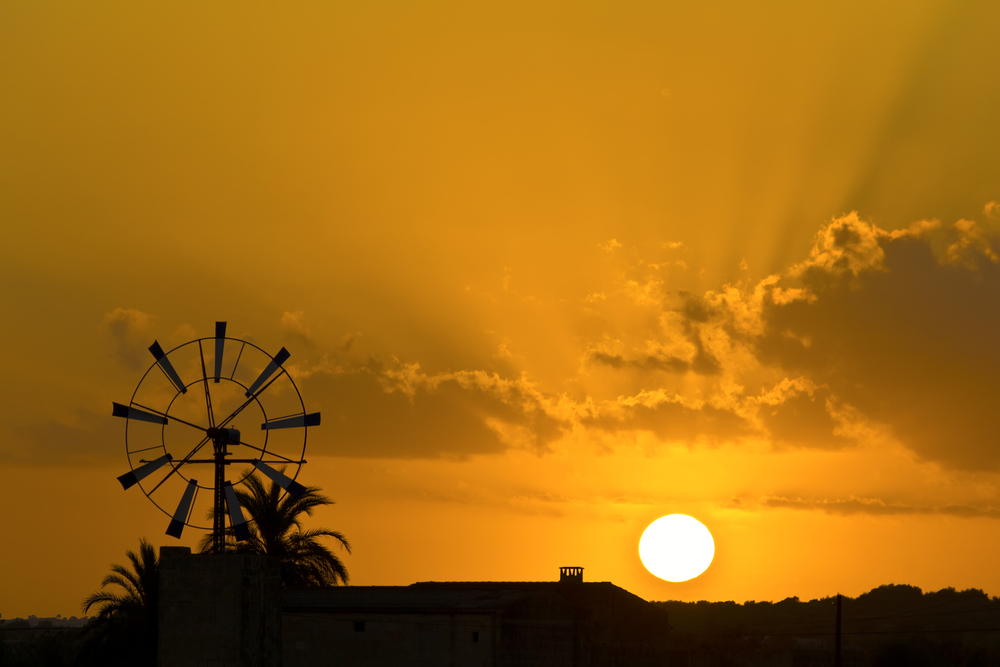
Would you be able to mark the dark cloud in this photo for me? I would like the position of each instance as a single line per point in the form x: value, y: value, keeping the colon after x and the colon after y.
x: 695, y: 308
x: 902, y: 327
x: 646, y: 363
x: 671, y: 420
x: 89, y: 439
x: 349, y: 340
x: 801, y: 417
x: 395, y: 410
x: 701, y: 361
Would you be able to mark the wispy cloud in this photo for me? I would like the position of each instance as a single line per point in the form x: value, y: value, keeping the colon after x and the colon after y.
x: 293, y: 324
x: 876, y: 507
x: 128, y: 329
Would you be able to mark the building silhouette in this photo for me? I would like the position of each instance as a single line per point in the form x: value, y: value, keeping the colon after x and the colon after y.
x: 229, y: 610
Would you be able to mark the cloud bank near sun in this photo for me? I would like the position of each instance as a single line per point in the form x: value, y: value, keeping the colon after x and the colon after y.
x: 875, y: 334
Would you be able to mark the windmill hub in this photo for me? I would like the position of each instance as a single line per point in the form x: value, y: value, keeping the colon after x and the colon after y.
x: 224, y: 435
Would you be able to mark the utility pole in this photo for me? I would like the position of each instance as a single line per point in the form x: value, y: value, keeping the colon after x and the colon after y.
x: 836, y: 644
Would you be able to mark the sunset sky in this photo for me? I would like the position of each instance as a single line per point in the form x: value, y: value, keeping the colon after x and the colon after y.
x: 549, y: 271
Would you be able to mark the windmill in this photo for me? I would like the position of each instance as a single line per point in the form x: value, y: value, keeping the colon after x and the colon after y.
x: 248, y: 386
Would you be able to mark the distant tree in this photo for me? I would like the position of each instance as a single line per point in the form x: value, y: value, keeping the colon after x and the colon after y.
x: 277, y: 531
x: 124, y: 631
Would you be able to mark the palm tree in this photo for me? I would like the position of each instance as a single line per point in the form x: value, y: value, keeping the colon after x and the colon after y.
x: 126, y: 620
x: 277, y: 531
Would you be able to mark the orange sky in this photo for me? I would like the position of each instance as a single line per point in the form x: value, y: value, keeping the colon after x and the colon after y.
x: 549, y: 271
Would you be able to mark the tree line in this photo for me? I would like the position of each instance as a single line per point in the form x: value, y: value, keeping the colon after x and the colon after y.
x: 889, y: 625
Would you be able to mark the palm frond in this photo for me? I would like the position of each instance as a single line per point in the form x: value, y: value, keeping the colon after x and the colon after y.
x: 325, y: 532
x: 104, y: 601
x: 123, y: 577
x: 277, y: 531
x: 140, y: 585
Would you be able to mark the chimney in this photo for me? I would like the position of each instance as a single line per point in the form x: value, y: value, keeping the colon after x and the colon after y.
x: 571, y: 575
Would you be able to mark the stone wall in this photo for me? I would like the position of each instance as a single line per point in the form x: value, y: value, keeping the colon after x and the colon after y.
x: 218, y: 610
x: 398, y: 639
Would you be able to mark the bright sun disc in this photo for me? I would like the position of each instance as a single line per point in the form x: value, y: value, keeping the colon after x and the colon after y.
x: 676, y: 547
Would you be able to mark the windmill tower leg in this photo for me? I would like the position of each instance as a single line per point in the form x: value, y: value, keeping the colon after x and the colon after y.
x: 219, y: 526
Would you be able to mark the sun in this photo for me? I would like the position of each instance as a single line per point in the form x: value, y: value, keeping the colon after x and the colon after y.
x: 676, y: 547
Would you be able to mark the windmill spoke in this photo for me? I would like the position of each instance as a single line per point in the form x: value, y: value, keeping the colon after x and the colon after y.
x: 208, y: 396
x: 144, y: 449
x: 177, y: 466
x: 176, y: 419
x: 264, y: 451
x: 293, y: 414
x: 238, y: 357
x: 247, y: 402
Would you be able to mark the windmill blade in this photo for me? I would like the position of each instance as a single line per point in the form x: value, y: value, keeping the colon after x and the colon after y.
x: 236, y: 519
x: 128, y: 412
x: 167, y: 367
x: 129, y: 479
x: 275, y: 364
x: 295, y: 490
x: 292, y: 422
x: 220, y: 345
x: 183, y: 509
